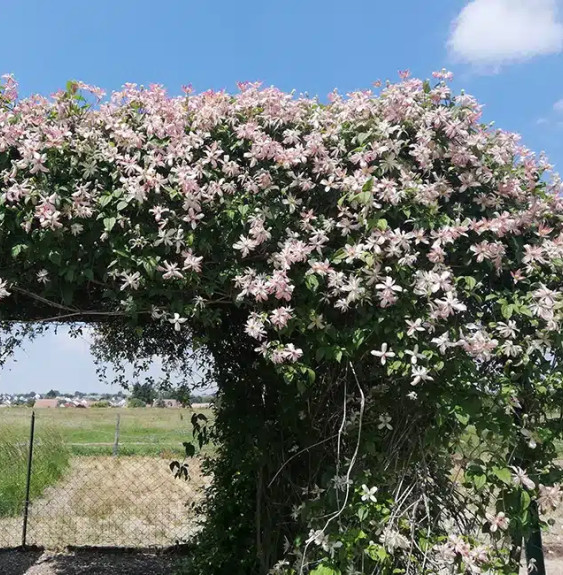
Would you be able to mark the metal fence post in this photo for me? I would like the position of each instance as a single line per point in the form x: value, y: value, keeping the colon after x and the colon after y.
x: 28, y: 479
x: 116, y: 440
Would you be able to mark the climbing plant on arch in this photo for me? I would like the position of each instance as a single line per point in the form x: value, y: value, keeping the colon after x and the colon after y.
x: 378, y: 280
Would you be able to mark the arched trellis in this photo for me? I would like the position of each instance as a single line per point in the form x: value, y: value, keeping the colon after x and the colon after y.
x: 378, y: 280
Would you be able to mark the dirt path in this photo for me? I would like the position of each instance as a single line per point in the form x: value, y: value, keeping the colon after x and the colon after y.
x: 96, y: 563
x: 84, y: 563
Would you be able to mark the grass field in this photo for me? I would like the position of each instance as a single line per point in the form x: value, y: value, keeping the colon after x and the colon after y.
x: 80, y: 494
x: 49, y: 466
x: 142, y: 431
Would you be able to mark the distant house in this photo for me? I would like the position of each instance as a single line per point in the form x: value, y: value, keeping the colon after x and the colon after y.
x: 166, y: 403
x: 41, y: 403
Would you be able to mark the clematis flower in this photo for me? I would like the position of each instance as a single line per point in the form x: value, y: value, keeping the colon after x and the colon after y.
x: 383, y: 353
x: 177, y: 321
x: 520, y: 478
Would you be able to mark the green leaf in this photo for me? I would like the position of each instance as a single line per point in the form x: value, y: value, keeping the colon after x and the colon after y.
x: 463, y: 418
x: 18, y: 249
x: 105, y: 200
x: 504, y: 474
x: 361, y: 138
x: 377, y: 553
x: 525, y: 310
x: 368, y: 186
x: 339, y: 256
x: 470, y: 282
x: 312, y: 282
x: 325, y: 570
x: 122, y: 205
x: 363, y: 197
x: 507, y: 310
x: 382, y: 224
x: 524, y: 499
x: 363, y: 512
x: 109, y: 223
x: 479, y: 481
x: 190, y: 449
x: 55, y: 257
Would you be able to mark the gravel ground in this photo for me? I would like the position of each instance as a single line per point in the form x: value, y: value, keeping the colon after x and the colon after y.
x: 82, y: 563
x: 96, y: 563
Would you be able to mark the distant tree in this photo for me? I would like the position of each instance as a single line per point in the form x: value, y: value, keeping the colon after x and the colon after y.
x: 52, y: 394
x: 160, y: 402
x: 143, y: 391
x: 135, y: 402
x: 102, y: 403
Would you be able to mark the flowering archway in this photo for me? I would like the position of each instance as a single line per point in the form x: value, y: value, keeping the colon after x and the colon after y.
x: 378, y: 280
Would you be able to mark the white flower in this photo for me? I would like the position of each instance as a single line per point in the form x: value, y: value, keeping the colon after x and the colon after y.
x: 3, y: 291
x: 443, y: 342
x: 414, y: 326
x: 384, y: 421
x: 279, y: 567
x: 130, y: 280
x: 332, y: 546
x: 520, y: 478
x: 43, y: 276
x: 245, y: 245
x: 415, y: 356
x: 384, y: 353
x: 317, y: 322
x: 388, y: 285
x: 177, y: 321
x: 318, y: 537
x: 549, y: 498
x: 341, y: 482
x: 391, y: 539
x: 498, y: 521
x: 420, y: 374
x: 368, y: 493
x: 507, y: 330
x: 170, y: 271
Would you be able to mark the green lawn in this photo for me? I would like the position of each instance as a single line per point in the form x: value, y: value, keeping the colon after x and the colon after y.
x: 143, y: 431
x: 51, y: 459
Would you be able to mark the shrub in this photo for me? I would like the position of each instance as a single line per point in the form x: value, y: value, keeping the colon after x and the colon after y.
x: 379, y: 283
x: 134, y: 402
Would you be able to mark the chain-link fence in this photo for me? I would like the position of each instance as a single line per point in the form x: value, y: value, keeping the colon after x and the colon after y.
x: 96, y: 477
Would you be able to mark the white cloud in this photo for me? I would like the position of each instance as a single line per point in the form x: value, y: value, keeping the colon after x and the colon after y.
x: 558, y: 106
x: 491, y: 33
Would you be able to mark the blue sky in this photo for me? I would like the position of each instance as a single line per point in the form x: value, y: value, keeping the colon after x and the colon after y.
x: 508, y: 53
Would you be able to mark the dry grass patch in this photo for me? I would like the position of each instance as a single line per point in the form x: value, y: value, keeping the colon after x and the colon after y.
x: 106, y: 501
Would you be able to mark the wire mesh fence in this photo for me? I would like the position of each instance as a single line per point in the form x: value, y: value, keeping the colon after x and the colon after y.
x: 97, y: 478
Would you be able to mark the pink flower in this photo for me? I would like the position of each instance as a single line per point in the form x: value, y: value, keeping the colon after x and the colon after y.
x: 279, y: 317
x: 245, y: 245
x: 170, y: 270
x: 292, y: 353
x: 192, y: 262
x: 498, y: 521
x: 550, y: 497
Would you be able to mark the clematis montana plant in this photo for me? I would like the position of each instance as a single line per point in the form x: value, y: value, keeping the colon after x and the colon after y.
x: 378, y: 280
